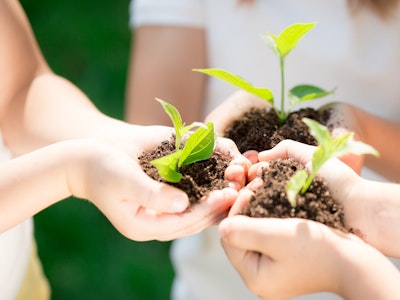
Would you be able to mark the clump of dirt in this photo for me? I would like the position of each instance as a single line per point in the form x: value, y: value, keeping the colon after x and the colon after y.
x: 270, y: 200
x: 259, y: 129
x: 199, y: 178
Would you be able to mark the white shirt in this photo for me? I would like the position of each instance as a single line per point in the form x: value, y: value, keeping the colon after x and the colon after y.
x: 15, y: 247
x: 359, y: 55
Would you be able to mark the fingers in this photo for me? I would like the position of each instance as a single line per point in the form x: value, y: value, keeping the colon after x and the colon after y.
x: 149, y: 225
x: 237, y: 104
x: 239, y: 165
x: 251, y: 234
x: 156, y: 195
x: 286, y: 149
x: 241, y: 201
x: 252, y: 156
x: 236, y: 176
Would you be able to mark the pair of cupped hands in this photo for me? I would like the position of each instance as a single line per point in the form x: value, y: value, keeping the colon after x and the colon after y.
x: 165, y: 214
x: 276, y: 258
x: 161, y: 212
x: 277, y: 250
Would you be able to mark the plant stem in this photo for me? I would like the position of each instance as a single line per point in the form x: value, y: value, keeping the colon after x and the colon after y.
x: 307, y: 184
x: 282, y: 116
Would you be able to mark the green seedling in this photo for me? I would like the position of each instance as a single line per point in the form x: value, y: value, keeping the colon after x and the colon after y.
x: 328, y: 147
x: 281, y: 45
x: 198, y: 146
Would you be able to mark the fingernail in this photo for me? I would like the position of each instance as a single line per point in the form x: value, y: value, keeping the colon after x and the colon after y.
x: 180, y: 203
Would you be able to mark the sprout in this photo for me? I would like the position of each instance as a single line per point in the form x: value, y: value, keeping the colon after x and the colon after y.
x: 199, y: 145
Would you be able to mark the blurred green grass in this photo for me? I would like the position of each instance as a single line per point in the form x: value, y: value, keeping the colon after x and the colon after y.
x: 83, y: 256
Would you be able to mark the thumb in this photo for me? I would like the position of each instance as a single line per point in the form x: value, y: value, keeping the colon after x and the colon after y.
x: 159, y: 196
x: 264, y: 235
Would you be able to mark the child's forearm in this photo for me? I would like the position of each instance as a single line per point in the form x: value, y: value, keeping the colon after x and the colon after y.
x: 36, y: 180
x: 383, y: 135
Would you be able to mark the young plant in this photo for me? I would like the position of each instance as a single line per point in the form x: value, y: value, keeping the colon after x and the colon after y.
x: 198, y: 146
x: 328, y: 147
x: 281, y: 45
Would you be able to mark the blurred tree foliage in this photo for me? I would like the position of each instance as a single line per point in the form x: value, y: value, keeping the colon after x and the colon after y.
x: 83, y: 256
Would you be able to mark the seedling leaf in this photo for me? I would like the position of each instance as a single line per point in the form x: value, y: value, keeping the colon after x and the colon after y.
x: 303, y: 93
x: 172, y: 113
x: 288, y: 39
x: 318, y: 131
x: 199, y: 146
x: 359, y: 148
x: 330, y: 147
x: 167, y: 166
x: 239, y: 82
x: 294, y: 186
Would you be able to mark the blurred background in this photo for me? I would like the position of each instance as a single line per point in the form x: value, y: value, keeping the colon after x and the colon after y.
x: 83, y: 256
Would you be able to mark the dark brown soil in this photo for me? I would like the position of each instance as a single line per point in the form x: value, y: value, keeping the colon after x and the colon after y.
x: 198, y: 180
x: 260, y: 130
x: 316, y: 204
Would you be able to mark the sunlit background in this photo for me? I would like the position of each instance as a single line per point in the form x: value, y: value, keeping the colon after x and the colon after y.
x: 84, y: 257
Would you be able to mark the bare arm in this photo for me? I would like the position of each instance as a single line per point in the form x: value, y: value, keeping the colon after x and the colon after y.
x: 162, y: 59
x: 36, y: 106
x: 65, y: 146
x: 384, y: 135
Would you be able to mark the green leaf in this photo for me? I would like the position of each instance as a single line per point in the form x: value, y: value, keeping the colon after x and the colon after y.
x: 318, y: 131
x: 359, y: 148
x: 167, y: 166
x: 239, y: 82
x: 176, y: 119
x: 302, y: 93
x: 199, y: 146
x: 271, y: 41
x: 340, y: 145
x: 294, y: 186
x: 288, y: 39
x: 172, y: 112
x: 319, y: 157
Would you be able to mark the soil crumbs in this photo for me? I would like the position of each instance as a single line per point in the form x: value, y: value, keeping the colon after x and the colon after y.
x: 199, y: 178
x: 317, y: 204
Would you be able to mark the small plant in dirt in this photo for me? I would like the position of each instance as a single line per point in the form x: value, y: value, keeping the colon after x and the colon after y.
x: 189, y: 160
x: 198, y: 146
x: 281, y: 45
x: 328, y: 147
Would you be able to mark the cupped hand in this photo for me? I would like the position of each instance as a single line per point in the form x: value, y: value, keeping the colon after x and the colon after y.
x: 284, y: 258
x: 139, y: 207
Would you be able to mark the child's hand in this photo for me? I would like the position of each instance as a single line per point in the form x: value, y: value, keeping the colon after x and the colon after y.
x: 139, y: 207
x: 284, y: 258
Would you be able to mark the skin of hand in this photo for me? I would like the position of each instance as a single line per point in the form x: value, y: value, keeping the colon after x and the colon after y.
x: 139, y: 207
x: 39, y: 109
x: 370, y: 207
x: 284, y: 258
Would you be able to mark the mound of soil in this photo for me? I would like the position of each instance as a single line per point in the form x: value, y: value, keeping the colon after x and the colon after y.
x: 260, y: 130
x: 316, y: 204
x: 199, y: 178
